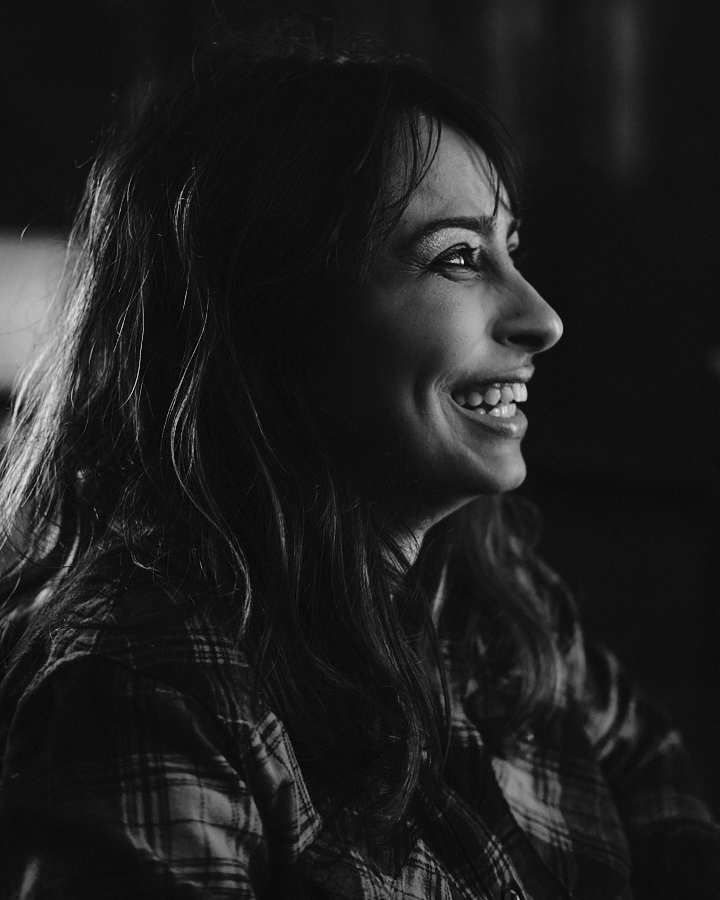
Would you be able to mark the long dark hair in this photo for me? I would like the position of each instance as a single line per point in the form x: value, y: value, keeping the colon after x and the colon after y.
x: 169, y: 419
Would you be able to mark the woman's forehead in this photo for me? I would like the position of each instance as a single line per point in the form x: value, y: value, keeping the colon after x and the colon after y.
x: 459, y: 182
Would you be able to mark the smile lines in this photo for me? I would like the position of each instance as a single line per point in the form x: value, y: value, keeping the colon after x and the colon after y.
x: 497, y: 400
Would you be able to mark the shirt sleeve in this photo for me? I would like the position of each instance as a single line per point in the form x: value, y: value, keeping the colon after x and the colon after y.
x: 117, y: 786
x: 674, y: 840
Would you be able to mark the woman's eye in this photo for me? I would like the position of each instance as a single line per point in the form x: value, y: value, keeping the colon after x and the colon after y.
x: 460, y: 258
x: 517, y: 255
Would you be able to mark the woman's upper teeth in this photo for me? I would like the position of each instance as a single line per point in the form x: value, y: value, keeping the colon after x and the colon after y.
x: 498, y: 393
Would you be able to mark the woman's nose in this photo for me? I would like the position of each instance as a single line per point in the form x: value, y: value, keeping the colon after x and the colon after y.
x: 525, y: 320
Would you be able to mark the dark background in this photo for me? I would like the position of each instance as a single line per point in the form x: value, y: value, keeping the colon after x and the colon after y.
x: 615, y: 105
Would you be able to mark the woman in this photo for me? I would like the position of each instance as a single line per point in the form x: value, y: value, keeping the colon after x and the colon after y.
x: 270, y: 629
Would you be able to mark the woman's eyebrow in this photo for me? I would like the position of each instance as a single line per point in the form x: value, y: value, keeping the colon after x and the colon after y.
x: 481, y: 225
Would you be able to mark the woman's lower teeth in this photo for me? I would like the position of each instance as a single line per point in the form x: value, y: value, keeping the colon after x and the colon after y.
x: 504, y: 411
x: 501, y: 411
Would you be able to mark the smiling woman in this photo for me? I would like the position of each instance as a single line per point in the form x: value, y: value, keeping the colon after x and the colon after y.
x: 270, y: 626
x: 437, y: 353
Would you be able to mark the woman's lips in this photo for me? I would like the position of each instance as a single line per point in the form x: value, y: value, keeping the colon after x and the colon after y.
x: 494, y: 406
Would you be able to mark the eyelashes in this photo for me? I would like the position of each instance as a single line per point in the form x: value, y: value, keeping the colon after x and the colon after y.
x: 474, y: 259
x: 460, y: 258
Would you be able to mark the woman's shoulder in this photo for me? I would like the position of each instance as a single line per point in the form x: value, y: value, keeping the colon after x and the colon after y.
x: 174, y: 639
x: 135, y: 739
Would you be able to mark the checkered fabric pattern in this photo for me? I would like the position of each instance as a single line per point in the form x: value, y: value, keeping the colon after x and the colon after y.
x: 134, y: 768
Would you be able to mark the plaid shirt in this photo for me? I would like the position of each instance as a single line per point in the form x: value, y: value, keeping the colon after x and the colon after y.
x: 133, y: 768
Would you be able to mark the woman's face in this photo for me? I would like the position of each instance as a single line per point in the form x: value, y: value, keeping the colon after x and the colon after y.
x: 436, y: 356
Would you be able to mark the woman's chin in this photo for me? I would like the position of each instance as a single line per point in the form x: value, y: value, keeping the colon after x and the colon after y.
x: 498, y: 475
x: 445, y: 499
x: 510, y: 479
